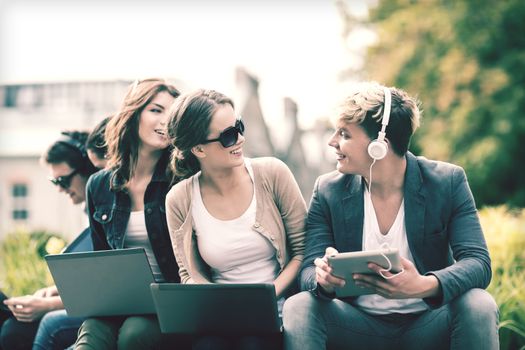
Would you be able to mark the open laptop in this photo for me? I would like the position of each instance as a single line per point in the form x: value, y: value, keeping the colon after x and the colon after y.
x: 249, y: 309
x: 103, y: 283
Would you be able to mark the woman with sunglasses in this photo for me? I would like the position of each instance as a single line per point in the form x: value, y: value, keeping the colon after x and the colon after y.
x: 231, y: 219
x: 70, y: 168
x: 126, y: 206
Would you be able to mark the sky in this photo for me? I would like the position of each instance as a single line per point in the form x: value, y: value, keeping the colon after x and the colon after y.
x: 295, y: 48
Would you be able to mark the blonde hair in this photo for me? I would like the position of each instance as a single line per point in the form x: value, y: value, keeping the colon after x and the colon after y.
x: 365, y: 105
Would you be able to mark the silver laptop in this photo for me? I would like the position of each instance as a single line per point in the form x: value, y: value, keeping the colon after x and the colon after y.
x: 249, y: 309
x: 103, y: 283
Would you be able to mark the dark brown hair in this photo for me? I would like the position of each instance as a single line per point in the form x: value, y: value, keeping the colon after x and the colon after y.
x: 95, y: 141
x: 189, y: 125
x: 70, y: 148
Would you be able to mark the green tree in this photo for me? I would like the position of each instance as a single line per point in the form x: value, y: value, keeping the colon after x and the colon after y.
x: 465, y: 60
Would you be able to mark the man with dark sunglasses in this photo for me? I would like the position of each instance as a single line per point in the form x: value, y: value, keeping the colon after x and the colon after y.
x: 63, y: 181
x: 69, y: 165
x: 70, y: 169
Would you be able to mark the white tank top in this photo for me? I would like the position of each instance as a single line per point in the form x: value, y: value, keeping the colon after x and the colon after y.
x: 234, y: 251
x: 137, y: 237
x: 395, y: 238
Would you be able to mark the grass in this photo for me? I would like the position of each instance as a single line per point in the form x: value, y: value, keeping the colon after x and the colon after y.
x: 505, y: 234
x: 23, y: 270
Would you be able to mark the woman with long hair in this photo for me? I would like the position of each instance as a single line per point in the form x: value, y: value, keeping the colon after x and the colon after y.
x: 126, y: 206
x: 232, y: 219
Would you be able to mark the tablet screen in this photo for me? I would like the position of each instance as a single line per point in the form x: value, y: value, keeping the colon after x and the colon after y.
x: 346, y: 264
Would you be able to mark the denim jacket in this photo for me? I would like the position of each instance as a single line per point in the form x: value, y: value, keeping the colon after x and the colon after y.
x: 109, y: 212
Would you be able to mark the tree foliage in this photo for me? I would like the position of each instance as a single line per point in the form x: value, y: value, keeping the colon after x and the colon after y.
x: 465, y: 60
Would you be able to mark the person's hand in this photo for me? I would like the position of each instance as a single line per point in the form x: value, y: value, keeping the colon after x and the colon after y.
x: 28, y: 308
x: 407, y: 284
x: 323, y: 272
x: 40, y: 293
x: 46, y: 292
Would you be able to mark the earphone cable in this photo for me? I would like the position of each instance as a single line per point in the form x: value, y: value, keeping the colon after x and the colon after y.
x: 386, y: 246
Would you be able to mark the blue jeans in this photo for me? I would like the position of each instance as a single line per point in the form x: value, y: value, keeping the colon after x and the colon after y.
x: 57, y: 331
x: 468, y: 322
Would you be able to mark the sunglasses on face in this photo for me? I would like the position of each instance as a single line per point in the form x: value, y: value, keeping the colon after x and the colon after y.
x: 63, y: 181
x: 229, y: 136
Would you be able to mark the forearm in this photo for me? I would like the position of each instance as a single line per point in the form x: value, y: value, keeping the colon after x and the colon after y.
x: 472, y: 267
x: 287, y: 277
x: 319, y: 232
x: 307, y: 278
x: 54, y: 303
x: 318, y: 239
x: 460, y: 277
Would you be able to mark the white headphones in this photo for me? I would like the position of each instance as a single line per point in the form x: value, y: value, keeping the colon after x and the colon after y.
x: 378, y: 148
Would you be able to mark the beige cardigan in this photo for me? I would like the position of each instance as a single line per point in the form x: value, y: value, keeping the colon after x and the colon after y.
x: 280, y: 218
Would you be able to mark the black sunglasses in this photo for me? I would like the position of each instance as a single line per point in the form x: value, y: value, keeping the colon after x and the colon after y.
x: 63, y: 181
x: 229, y: 136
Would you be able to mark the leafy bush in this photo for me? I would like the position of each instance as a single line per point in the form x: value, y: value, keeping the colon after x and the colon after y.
x: 505, y: 234
x: 23, y: 269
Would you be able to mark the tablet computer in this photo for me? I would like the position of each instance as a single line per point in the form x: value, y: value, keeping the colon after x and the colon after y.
x: 346, y: 264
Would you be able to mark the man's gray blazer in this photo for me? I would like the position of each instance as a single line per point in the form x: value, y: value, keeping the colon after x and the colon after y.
x: 442, y: 225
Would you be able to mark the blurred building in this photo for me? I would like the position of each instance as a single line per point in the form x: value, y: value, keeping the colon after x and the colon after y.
x: 32, y: 116
x: 304, y: 151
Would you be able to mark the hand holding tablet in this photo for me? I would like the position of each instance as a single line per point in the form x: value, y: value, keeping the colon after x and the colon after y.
x: 346, y: 264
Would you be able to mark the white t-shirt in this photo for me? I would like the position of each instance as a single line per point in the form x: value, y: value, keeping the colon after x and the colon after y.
x: 395, y: 238
x: 137, y: 237
x: 234, y: 251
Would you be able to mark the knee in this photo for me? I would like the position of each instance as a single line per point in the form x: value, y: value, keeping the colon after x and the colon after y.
x: 44, y: 333
x: 49, y: 321
x: 298, y: 309
x: 16, y: 335
x: 139, y: 332
x: 476, y: 304
x: 96, y: 334
x: 93, y: 327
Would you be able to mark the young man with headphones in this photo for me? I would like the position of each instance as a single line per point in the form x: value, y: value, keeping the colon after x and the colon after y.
x: 381, y: 194
x: 70, y: 169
